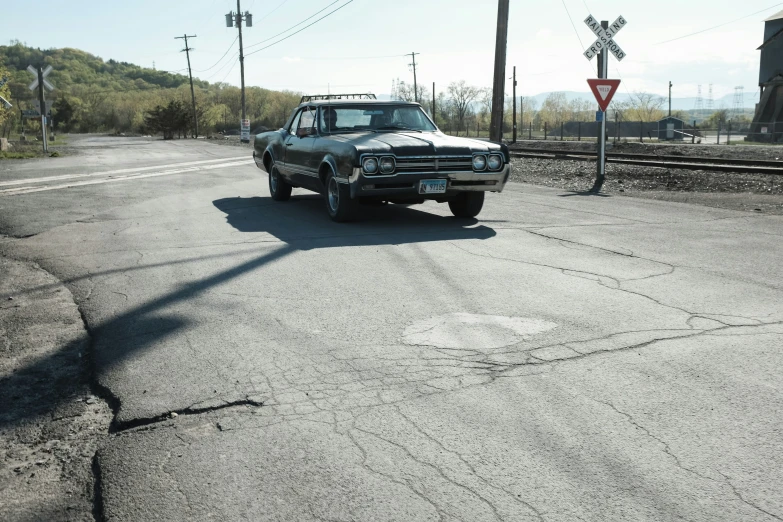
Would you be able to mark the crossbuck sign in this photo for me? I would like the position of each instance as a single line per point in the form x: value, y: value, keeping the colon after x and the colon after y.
x: 605, y: 38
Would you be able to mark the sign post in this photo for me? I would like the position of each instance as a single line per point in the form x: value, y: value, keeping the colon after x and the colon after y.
x: 245, y: 131
x: 42, y: 84
x: 605, y: 90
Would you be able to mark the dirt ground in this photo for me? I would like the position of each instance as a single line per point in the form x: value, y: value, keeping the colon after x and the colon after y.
x: 746, y: 192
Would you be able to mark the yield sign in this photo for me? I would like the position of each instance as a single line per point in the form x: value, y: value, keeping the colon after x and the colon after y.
x: 604, y: 90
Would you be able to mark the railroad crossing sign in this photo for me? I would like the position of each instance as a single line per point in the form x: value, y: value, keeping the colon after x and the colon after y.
x: 33, y: 86
x: 605, y: 38
x: 604, y: 90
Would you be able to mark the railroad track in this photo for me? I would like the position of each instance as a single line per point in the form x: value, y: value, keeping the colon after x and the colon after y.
x: 663, y: 161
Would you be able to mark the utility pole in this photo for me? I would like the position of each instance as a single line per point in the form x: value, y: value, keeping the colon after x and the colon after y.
x: 670, y: 98
x: 237, y: 19
x: 42, y: 101
x: 433, y: 101
x: 514, y: 121
x: 603, y: 73
x: 499, y: 85
x: 415, y: 85
x: 190, y: 74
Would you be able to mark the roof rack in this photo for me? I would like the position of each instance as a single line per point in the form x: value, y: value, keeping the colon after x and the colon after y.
x: 315, y: 97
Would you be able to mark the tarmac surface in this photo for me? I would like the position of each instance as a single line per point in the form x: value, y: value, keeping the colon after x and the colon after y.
x: 561, y: 358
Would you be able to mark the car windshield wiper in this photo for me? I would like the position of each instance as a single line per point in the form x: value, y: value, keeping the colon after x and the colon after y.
x: 397, y: 127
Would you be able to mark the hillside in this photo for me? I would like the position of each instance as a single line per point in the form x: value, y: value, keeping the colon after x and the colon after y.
x: 96, y: 95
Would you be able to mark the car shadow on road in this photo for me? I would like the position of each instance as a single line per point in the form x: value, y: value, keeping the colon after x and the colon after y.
x: 302, y: 223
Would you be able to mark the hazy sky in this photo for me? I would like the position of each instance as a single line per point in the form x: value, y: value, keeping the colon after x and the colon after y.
x: 361, y: 46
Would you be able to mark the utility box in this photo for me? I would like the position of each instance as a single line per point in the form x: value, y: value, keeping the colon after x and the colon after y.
x: 671, y: 129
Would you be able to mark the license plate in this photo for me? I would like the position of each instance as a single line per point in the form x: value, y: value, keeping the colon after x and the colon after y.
x: 432, y: 186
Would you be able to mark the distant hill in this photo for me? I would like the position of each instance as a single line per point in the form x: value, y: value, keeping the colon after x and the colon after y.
x: 74, y: 68
x: 678, y: 104
x: 96, y: 95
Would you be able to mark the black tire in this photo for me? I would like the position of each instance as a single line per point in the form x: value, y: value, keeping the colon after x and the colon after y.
x: 467, y: 204
x: 279, y: 189
x: 337, y: 196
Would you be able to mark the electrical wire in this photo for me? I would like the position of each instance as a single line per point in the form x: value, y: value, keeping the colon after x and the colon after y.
x: 229, y: 72
x: 221, y: 58
x: 233, y: 61
x: 272, y: 11
x: 582, y: 46
x: 718, y: 26
x: 300, y: 30
x: 293, y: 26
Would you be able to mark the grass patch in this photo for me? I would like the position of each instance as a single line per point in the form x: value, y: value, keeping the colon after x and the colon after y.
x: 18, y: 155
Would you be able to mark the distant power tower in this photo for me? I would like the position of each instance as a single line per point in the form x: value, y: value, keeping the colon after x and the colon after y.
x: 739, y: 100
x: 699, y: 107
x: 710, y: 101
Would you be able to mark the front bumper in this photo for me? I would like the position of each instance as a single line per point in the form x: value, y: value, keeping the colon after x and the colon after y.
x: 407, y: 185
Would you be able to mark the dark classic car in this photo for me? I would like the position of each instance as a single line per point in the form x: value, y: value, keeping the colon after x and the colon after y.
x: 359, y: 151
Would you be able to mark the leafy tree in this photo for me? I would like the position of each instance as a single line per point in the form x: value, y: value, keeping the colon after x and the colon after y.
x: 173, y: 118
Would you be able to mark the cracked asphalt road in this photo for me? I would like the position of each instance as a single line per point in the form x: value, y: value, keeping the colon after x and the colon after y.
x: 562, y: 358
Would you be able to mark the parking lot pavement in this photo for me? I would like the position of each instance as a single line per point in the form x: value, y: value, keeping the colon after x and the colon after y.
x: 561, y: 358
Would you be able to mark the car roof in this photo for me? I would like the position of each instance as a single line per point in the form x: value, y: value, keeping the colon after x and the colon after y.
x: 318, y: 103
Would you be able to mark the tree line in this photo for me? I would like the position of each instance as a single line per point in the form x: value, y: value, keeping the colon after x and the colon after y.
x: 466, y: 109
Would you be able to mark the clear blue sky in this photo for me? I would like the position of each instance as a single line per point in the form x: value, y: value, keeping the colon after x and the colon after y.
x: 360, y: 47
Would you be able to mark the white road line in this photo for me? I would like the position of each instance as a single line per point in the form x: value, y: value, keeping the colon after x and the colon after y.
x: 28, y: 189
x: 27, y: 181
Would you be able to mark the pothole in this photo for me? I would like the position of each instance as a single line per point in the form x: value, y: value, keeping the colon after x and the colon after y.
x: 473, y: 331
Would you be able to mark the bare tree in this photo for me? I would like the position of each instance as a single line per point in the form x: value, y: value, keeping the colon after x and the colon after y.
x: 644, y: 106
x: 462, y: 95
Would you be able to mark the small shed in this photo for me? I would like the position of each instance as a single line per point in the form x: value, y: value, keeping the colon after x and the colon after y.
x: 670, y: 129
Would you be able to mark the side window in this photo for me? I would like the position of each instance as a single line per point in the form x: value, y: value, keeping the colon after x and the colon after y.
x: 295, y: 123
x: 308, y: 119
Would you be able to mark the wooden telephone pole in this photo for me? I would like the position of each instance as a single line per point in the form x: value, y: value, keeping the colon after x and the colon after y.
x: 499, y: 85
x: 190, y: 74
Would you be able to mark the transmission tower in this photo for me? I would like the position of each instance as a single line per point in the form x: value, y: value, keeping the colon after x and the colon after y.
x: 739, y: 100
x: 710, y: 101
x: 698, y: 109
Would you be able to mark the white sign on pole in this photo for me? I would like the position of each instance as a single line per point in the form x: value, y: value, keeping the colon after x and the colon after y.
x: 47, y: 85
x: 605, y: 38
x: 245, y: 132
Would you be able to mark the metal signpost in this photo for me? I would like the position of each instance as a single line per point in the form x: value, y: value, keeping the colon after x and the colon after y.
x: 42, y: 84
x: 605, y: 33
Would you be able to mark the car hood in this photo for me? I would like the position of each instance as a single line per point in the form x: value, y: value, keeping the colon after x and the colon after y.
x: 414, y: 144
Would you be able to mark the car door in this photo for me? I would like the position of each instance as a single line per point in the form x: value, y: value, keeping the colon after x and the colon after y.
x: 299, y: 151
x: 283, y: 157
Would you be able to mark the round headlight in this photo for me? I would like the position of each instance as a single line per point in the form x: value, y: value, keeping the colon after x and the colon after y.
x: 479, y: 162
x: 495, y: 162
x: 387, y: 165
x: 370, y: 165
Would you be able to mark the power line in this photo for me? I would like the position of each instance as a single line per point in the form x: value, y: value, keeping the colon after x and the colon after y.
x: 294, y: 26
x: 572, y: 25
x: 228, y: 73
x: 272, y: 11
x: 300, y: 30
x: 221, y: 58
x: 718, y: 26
x: 223, y: 67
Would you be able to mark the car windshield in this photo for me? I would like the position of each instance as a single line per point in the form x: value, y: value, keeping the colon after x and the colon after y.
x: 375, y: 118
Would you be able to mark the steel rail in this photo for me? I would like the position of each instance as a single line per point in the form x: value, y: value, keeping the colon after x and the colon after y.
x: 650, y: 160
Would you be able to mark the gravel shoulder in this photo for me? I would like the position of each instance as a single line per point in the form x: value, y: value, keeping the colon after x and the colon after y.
x: 758, y: 193
x: 50, y: 423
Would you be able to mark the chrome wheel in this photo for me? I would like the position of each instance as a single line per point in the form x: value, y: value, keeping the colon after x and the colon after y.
x: 334, y: 195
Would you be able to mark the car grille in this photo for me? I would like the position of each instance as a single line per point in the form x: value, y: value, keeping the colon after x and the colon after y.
x: 435, y: 164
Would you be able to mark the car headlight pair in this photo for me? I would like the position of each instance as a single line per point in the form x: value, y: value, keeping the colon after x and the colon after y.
x: 384, y: 165
x: 491, y: 162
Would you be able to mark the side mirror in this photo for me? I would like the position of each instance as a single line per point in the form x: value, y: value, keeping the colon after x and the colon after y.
x: 304, y: 132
